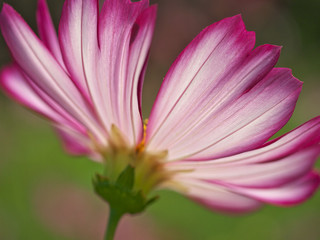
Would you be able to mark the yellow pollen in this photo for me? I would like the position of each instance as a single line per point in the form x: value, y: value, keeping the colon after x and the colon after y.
x: 140, y: 147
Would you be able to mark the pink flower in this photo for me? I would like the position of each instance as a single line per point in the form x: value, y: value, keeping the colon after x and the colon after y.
x: 207, y: 135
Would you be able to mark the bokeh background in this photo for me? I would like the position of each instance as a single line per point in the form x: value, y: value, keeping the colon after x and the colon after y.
x: 45, y: 194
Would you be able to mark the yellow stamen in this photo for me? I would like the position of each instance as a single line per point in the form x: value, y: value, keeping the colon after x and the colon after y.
x: 140, y: 147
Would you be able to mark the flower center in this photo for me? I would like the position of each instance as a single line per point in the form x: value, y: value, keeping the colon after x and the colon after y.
x: 148, y: 167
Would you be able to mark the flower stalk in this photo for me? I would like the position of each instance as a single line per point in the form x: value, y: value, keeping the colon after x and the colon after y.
x: 113, y: 221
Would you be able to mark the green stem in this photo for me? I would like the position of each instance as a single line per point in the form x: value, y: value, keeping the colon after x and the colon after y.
x: 114, y: 218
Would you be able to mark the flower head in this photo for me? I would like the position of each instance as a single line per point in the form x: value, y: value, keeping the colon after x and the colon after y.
x: 207, y: 135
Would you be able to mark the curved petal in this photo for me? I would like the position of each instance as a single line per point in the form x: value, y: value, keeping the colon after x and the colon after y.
x: 124, y: 34
x: 259, y: 175
x: 280, y: 172
x: 286, y: 195
x: 47, y: 31
x: 201, y: 66
x: 74, y: 143
x: 40, y: 66
x: 244, y: 124
x: 248, y: 122
x: 211, y: 82
x: 302, y: 137
x: 217, y: 197
x: 79, y: 42
x: 17, y: 86
x: 234, y: 199
x: 141, y: 37
x: 278, y: 162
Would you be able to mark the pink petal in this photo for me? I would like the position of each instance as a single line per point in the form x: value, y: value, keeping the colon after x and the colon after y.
x: 73, y: 142
x: 217, y: 49
x: 286, y: 195
x: 250, y: 121
x: 47, y: 31
x: 141, y: 37
x: 213, y: 78
x: 280, y: 172
x: 239, y: 199
x: 40, y: 66
x: 217, y: 197
x: 17, y: 87
x: 79, y: 42
x: 66, y: 118
x: 244, y: 124
x: 259, y: 175
x: 124, y: 49
x: 298, y: 139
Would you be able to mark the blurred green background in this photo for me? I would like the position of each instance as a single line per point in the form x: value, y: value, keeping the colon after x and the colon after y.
x: 46, y: 194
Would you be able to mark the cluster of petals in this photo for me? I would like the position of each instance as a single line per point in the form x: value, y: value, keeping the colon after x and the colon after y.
x: 218, y: 106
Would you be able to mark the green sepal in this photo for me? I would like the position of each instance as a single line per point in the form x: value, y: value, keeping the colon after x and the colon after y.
x: 126, y: 178
x: 120, y: 194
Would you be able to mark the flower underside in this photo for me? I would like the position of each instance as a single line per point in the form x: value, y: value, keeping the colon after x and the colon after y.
x: 130, y: 173
x: 149, y: 171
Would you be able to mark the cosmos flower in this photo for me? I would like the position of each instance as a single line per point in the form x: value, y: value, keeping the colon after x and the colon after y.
x: 208, y: 132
